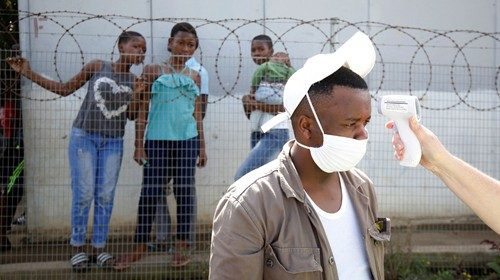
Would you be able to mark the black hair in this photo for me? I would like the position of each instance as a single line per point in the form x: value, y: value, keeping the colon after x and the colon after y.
x: 127, y: 35
x: 342, y: 77
x: 184, y: 27
x: 264, y: 38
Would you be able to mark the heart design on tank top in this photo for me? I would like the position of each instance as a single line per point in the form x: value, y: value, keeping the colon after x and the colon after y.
x: 115, y: 89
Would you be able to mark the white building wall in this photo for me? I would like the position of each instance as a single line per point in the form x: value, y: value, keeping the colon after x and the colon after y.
x: 402, y: 191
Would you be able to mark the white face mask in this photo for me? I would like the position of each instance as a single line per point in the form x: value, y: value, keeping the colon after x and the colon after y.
x: 337, y: 153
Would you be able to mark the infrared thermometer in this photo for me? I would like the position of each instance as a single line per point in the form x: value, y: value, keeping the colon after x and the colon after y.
x: 400, y: 108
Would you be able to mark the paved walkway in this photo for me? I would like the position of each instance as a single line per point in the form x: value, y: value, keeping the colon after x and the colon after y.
x: 50, y: 261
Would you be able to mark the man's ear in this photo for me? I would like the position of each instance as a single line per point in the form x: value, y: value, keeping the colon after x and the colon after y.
x: 303, y: 128
x: 120, y: 48
x: 307, y: 131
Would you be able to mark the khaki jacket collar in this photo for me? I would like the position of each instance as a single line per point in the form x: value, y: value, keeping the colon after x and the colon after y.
x: 292, y: 186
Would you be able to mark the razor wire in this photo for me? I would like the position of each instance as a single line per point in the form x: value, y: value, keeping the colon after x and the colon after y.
x: 422, y: 39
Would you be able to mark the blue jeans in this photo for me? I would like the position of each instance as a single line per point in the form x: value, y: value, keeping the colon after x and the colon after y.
x: 95, y: 162
x: 255, y: 138
x: 269, y: 145
x: 167, y: 160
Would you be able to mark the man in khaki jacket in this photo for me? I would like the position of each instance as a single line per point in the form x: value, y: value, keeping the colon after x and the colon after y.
x: 309, y: 214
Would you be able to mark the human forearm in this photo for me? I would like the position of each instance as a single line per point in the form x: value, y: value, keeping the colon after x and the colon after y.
x: 139, y: 153
x: 133, y: 109
x: 142, y: 92
x: 204, y: 102
x: 198, y: 116
x: 201, y: 134
x: 140, y: 126
x: 478, y: 190
x: 138, y: 98
x: 139, y: 133
x: 273, y: 109
x: 202, y: 156
x: 62, y: 89
x: 135, y: 106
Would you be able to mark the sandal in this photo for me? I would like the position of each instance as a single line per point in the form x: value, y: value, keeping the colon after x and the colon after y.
x: 105, y: 260
x: 126, y: 260
x: 181, y: 255
x: 79, y: 262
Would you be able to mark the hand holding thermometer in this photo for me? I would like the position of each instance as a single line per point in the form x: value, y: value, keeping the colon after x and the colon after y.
x: 400, y: 108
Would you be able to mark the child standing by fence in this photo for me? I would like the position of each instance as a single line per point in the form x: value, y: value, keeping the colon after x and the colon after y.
x: 261, y: 50
x: 266, y: 99
x: 163, y: 219
x: 96, y: 141
x: 174, y: 144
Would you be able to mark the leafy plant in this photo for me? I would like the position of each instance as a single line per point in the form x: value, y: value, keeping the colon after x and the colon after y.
x: 495, y: 263
x: 8, y: 24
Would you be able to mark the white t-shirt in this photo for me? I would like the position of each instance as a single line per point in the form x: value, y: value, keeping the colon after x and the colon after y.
x: 196, y: 66
x: 345, y: 238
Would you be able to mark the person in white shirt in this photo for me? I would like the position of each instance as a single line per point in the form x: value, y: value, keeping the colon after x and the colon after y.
x: 193, y: 64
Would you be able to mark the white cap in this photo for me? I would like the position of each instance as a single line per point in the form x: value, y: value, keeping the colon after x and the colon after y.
x: 357, y: 53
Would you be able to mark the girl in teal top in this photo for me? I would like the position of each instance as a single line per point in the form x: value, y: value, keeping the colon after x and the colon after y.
x: 173, y: 98
x: 174, y: 143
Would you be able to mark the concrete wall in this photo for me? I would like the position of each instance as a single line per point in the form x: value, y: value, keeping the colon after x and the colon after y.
x: 422, y: 53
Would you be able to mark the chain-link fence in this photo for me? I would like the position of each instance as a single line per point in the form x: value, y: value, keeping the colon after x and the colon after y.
x: 454, y: 73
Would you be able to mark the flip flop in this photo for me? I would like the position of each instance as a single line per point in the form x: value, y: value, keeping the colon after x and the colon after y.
x: 79, y: 262
x: 105, y: 260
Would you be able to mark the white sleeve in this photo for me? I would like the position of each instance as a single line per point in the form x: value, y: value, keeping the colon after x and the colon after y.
x: 204, y: 80
x: 196, y: 66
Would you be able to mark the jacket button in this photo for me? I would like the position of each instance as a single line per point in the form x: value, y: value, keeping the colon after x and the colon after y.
x: 331, y: 260
x: 269, y: 263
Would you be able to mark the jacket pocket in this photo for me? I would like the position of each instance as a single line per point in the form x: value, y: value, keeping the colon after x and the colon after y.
x: 292, y: 263
x: 379, y: 235
x: 380, y: 230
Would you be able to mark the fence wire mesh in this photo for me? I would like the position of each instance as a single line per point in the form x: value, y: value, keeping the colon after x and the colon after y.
x: 454, y: 73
